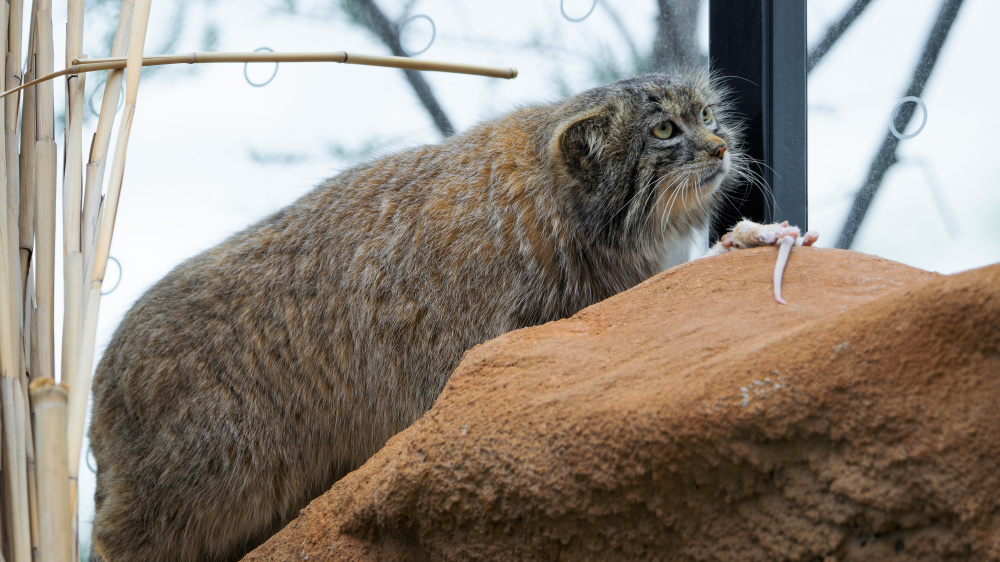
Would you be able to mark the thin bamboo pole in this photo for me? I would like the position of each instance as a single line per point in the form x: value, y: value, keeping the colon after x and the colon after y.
x: 53, y: 499
x: 13, y: 78
x: 335, y: 56
x: 14, y: 410
x: 45, y: 222
x: 106, y: 222
x: 102, y: 139
x: 26, y: 222
x: 32, y: 476
x: 15, y: 479
x: 92, y: 65
x: 72, y: 257
x: 9, y: 362
x: 73, y: 144
x: 45, y: 185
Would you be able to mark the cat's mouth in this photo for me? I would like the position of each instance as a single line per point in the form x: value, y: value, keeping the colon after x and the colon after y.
x: 712, y: 180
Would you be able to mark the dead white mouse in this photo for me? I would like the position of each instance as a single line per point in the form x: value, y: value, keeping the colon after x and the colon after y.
x: 749, y: 234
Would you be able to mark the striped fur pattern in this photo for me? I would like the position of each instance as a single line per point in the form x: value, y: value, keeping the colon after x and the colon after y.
x: 255, y: 375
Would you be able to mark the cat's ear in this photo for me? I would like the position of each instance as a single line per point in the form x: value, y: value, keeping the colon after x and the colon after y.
x: 581, y: 140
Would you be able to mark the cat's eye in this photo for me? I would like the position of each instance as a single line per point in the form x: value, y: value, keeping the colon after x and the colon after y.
x: 663, y: 130
x: 707, y: 116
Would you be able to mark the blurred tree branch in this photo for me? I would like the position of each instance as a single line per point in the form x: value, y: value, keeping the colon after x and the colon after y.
x: 886, y: 156
x: 834, y: 32
x: 388, y: 32
x: 675, y: 46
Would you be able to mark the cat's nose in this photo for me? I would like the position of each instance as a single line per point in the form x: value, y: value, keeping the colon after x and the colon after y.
x: 719, y: 151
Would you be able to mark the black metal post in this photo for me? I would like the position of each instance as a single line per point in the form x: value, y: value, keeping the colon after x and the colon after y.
x: 759, y: 48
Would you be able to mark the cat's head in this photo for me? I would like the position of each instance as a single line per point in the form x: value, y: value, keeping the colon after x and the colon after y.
x: 651, y: 154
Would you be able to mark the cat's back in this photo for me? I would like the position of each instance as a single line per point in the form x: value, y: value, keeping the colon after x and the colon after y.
x: 291, y: 351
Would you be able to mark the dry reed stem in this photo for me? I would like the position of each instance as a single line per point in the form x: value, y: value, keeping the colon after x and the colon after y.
x: 91, y: 207
x: 32, y: 479
x: 73, y: 258
x: 337, y: 56
x: 26, y: 222
x: 102, y: 138
x: 45, y: 249
x: 92, y: 65
x: 72, y: 321
x: 53, y: 498
x: 14, y: 412
x: 23, y: 528
x: 74, y: 29
x: 72, y: 268
x: 43, y: 350
x: 73, y: 145
x: 45, y: 185
x: 15, y: 478
x: 26, y: 442
x: 72, y: 334
x: 13, y: 78
x: 11, y: 254
x: 73, y: 165
x: 106, y: 222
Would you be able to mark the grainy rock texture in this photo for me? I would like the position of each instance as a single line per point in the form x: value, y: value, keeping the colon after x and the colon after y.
x: 693, y: 418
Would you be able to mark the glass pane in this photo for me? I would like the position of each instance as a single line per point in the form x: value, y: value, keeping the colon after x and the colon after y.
x: 938, y: 205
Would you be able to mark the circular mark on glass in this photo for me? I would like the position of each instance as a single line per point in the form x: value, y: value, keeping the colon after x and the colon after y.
x: 895, y: 110
x: 91, y: 461
x: 246, y: 71
x: 413, y: 33
x: 94, y: 104
x: 562, y: 8
x: 121, y: 272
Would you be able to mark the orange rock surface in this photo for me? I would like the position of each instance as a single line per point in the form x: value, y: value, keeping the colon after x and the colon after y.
x: 693, y: 418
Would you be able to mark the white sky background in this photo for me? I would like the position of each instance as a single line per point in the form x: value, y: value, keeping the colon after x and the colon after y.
x: 190, y: 180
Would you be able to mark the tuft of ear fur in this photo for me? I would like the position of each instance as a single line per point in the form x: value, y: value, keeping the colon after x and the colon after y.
x: 581, y: 140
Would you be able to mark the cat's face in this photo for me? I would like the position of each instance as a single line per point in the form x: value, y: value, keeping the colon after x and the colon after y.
x: 653, y: 152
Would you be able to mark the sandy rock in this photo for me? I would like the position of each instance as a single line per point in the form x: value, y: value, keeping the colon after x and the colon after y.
x: 693, y: 418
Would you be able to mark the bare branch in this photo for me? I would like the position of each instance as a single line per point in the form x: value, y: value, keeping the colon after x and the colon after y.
x: 388, y: 32
x: 834, y: 33
x: 886, y: 156
x: 676, y: 47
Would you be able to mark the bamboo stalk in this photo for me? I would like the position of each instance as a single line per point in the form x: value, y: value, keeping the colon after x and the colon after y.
x: 72, y: 328
x: 14, y: 411
x: 45, y: 248
x: 53, y: 498
x: 13, y: 78
x: 45, y: 185
x: 73, y: 144
x: 106, y: 222
x: 102, y: 138
x: 9, y: 257
x: 45, y: 256
x: 73, y: 165
x: 74, y: 29
x: 15, y: 479
x: 72, y: 231
x: 72, y: 257
x: 91, y: 207
x: 32, y: 479
x: 335, y: 56
x: 26, y: 222
x: 92, y: 65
